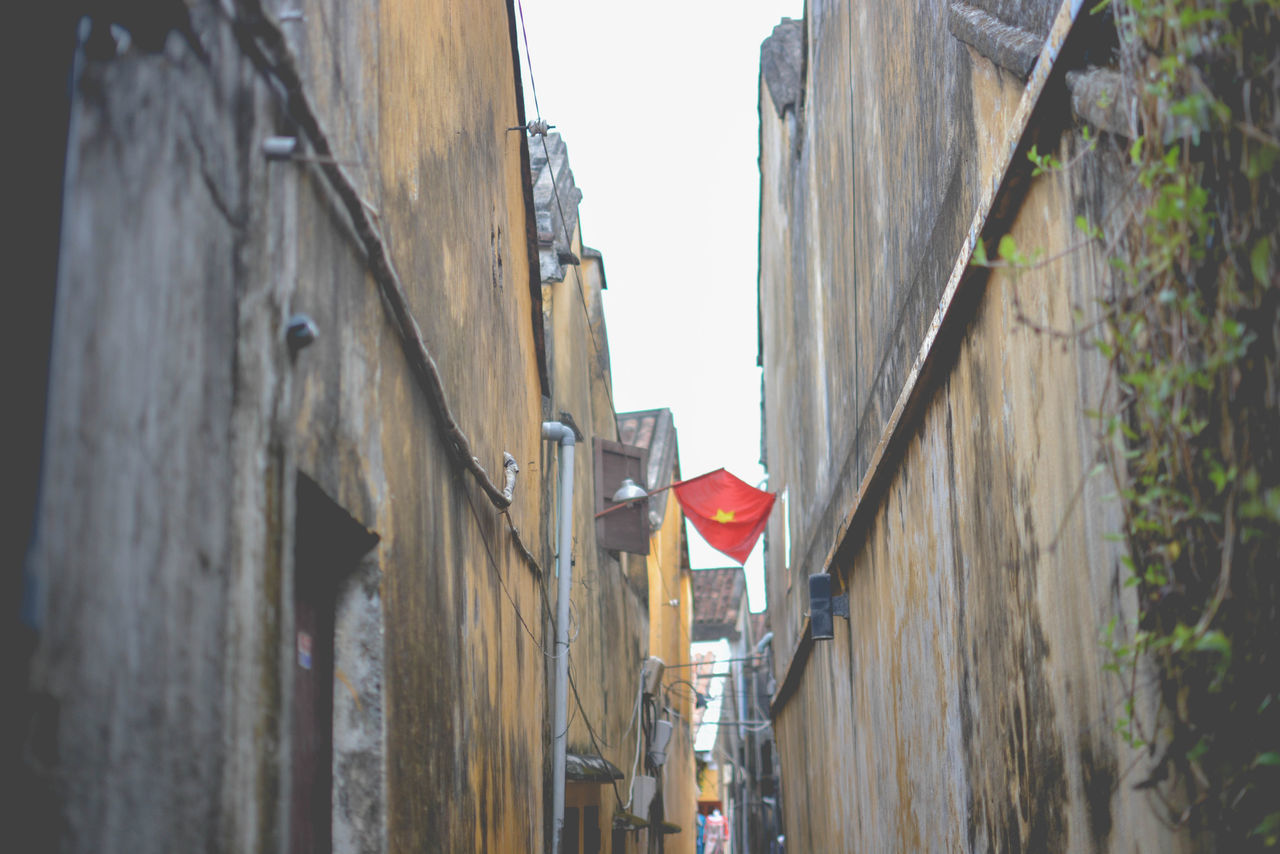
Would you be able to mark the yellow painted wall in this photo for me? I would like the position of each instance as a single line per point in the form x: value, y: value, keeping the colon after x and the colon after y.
x: 669, y: 637
x: 425, y: 97
x: 201, y: 418
x: 710, y: 788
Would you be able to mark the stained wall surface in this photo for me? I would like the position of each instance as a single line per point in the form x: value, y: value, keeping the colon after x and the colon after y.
x: 963, y: 705
x: 179, y: 420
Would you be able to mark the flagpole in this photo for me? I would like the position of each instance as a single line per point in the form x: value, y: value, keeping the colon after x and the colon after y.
x: 631, y: 501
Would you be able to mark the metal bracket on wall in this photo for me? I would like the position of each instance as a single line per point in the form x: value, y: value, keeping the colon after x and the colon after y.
x: 840, y: 605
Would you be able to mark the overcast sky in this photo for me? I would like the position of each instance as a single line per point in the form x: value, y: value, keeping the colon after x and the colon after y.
x: 657, y: 103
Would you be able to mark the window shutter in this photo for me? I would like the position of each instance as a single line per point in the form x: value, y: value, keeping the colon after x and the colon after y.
x: 625, y: 530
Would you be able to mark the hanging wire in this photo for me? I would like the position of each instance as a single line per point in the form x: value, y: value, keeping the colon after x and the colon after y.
x: 591, y: 731
x: 493, y: 563
x: 539, y: 128
x: 528, y: 59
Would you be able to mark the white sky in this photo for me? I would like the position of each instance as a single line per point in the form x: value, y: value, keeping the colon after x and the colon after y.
x: 657, y: 103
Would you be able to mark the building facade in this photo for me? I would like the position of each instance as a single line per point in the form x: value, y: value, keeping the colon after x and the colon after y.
x: 928, y: 432
x: 292, y: 575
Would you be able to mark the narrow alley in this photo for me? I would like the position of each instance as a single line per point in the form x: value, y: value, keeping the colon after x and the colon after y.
x: 342, y: 527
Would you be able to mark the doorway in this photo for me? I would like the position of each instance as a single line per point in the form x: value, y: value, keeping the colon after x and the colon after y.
x: 328, y: 546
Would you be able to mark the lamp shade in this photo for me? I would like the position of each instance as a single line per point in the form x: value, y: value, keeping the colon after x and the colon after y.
x: 628, y: 491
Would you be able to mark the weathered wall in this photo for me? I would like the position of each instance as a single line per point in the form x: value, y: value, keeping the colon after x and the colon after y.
x: 177, y: 419
x: 963, y: 705
x: 868, y: 186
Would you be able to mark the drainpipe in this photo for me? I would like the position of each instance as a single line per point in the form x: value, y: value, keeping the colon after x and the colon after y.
x: 554, y: 431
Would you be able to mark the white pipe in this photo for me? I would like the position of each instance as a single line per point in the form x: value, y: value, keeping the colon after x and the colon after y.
x: 556, y: 432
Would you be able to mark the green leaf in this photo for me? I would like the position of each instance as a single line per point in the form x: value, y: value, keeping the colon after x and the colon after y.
x: 1008, y: 249
x: 1269, y: 759
x: 1214, y: 641
x: 1268, y: 829
x: 980, y: 253
x: 1260, y: 260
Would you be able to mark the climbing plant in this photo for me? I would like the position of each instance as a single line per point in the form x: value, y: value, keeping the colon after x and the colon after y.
x: 1193, y: 430
x: 1191, y: 426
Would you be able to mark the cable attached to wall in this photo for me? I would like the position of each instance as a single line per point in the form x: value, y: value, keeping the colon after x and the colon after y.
x: 592, y: 733
x: 493, y: 563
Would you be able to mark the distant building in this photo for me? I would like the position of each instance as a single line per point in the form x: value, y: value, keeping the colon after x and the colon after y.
x: 734, y: 738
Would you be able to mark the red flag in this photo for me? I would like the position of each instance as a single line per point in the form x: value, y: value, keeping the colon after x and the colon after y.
x: 729, y: 513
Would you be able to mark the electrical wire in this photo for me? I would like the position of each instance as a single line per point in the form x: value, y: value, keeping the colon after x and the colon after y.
x: 528, y: 58
x: 555, y: 189
x: 493, y: 563
x: 591, y: 731
x: 716, y: 661
x: 635, y: 716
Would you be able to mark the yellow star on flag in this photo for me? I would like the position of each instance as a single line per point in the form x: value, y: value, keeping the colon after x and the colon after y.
x: 722, y: 516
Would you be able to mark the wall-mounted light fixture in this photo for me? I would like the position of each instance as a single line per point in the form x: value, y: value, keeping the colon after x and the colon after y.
x: 823, y: 607
x: 629, y: 491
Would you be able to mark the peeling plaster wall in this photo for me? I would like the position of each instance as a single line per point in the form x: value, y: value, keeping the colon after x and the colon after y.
x: 963, y: 705
x: 177, y: 418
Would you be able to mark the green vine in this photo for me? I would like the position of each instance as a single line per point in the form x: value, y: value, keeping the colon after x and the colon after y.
x: 1191, y: 432
x: 1194, y: 435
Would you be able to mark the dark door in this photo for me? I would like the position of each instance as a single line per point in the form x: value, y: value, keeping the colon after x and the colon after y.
x: 328, y: 545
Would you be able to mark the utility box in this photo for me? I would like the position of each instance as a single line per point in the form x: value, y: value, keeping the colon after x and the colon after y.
x: 653, y: 670
x: 642, y: 793
x: 658, y: 743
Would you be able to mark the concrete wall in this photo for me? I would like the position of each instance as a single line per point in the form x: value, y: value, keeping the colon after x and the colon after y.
x: 963, y: 705
x: 177, y: 420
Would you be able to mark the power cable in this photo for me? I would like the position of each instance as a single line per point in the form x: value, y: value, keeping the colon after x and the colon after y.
x: 539, y: 128
x: 493, y: 563
x: 591, y: 731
